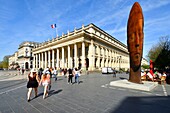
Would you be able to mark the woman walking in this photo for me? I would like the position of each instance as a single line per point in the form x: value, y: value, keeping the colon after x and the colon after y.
x: 45, y: 81
x: 32, y: 83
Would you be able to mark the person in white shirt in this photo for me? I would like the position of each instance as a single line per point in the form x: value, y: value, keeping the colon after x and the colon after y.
x: 77, y: 75
x: 164, y: 74
x: 150, y: 76
x: 55, y: 73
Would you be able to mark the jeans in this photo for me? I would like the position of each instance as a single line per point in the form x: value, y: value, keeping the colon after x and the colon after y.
x: 77, y: 79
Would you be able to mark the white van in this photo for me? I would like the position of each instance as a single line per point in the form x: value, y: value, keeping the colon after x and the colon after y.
x: 107, y: 70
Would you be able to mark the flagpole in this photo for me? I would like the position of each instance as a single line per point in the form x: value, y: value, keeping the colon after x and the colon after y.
x: 56, y: 33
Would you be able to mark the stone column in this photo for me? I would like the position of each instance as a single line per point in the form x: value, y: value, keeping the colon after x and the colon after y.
x: 63, y: 57
x: 58, y: 58
x: 42, y: 56
x: 39, y: 60
x: 83, y: 56
x: 36, y: 61
x: 110, y: 59
x: 114, y: 57
x: 49, y: 59
x: 102, y: 63
x: 91, y: 56
x: 106, y: 63
x: 99, y: 53
x: 98, y: 58
x: 45, y: 59
x: 53, y: 58
x: 69, y: 63
x: 75, y: 55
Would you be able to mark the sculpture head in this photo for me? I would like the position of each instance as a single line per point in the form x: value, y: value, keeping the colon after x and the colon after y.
x: 135, y: 36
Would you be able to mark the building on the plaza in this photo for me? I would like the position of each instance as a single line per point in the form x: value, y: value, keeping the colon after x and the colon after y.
x: 144, y: 61
x: 23, y: 57
x: 12, y: 61
x: 87, y: 48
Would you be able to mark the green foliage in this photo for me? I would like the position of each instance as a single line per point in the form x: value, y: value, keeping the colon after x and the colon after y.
x: 1, y: 66
x: 4, y: 63
x: 160, y: 53
x: 145, y: 66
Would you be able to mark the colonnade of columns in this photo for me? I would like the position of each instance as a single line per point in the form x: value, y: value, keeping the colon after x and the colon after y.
x: 76, y: 55
x: 62, y: 57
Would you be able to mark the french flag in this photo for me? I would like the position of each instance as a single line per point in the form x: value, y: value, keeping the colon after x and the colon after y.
x: 53, y: 26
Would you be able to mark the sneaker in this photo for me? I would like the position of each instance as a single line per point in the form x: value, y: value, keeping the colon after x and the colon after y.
x: 46, y: 95
x: 43, y: 96
x: 28, y: 100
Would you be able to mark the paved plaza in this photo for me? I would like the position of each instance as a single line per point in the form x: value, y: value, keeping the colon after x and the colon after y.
x: 92, y: 95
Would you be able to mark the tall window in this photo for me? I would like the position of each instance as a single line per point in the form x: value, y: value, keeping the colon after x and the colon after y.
x: 26, y: 51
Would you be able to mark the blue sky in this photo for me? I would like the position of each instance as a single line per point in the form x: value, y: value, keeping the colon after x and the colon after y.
x: 30, y: 20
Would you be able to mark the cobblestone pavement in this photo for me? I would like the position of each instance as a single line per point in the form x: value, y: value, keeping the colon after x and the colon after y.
x: 92, y: 95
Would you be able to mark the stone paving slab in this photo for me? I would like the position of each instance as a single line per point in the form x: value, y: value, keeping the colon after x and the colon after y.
x: 146, y: 86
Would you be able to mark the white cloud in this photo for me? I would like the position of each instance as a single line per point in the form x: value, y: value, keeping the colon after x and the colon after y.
x: 153, y: 4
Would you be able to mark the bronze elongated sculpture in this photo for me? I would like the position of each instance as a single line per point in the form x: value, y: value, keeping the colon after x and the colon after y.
x: 135, y: 37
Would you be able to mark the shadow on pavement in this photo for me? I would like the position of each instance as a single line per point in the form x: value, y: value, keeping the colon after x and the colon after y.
x: 53, y: 92
x: 122, y: 78
x: 155, y: 104
x: 80, y: 82
x: 59, y: 79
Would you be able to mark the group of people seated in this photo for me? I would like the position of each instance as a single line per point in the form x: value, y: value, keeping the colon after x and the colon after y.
x: 156, y: 76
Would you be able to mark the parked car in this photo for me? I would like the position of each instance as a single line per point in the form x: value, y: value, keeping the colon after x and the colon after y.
x: 1, y: 69
x: 107, y: 70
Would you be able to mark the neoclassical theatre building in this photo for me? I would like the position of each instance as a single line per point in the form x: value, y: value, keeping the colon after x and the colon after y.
x: 87, y: 48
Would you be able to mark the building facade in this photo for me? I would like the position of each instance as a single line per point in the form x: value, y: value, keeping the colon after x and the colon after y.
x: 144, y: 61
x: 13, y: 60
x: 87, y: 48
x: 23, y: 57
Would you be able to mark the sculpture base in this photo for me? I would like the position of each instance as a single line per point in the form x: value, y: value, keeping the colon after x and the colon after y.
x: 146, y: 86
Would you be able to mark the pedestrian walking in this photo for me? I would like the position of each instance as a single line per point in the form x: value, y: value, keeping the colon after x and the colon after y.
x: 55, y: 73
x: 114, y: 72
x: 77, y: 75
x: 48, y: 71
x: 45, y: 81
x: 23, y: 70
x: 32, y: 83
x: 70, y: 76
x: 40, y: 72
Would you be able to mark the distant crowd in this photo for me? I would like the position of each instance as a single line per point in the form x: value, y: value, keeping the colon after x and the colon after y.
x: 155, y: 76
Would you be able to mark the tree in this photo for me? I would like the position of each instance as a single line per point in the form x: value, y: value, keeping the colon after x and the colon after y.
x: 1, y: 66
x: 145, y: 66
x: 160, y: 53
x: 4, y: 63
